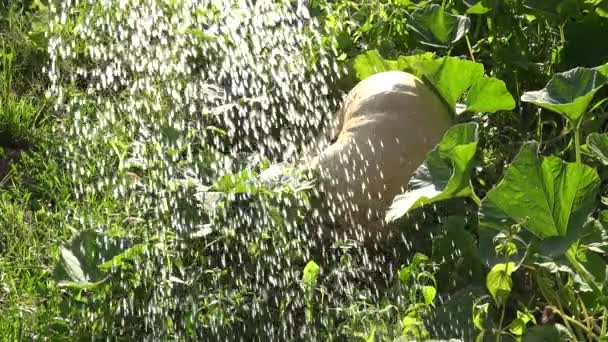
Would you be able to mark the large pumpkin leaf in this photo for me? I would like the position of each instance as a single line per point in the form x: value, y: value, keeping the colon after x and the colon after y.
x: 489, y: 95
x: 547, y: 196
x: 437, y: 27
x: 556, y: 8
x: 445, y: 174
x: 371, y: 62
x: 569, y: 93
x: 598, y: 145
x: 451, y: 76
x: 79, y: 263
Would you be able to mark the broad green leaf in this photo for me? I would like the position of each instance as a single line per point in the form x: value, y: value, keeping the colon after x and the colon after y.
x: 561, y: 8
x: 598, y: 145
x: 455, y: 251
x: 79, y: 263
x: 548, y: 197
x: 568, y: 93
x: 548, y: 333
x: 371, y: 62
x: 499, y: 281
x: 437, y: 27
x: 451, y: 76
x: 489, y: 95
x: 445, y: 174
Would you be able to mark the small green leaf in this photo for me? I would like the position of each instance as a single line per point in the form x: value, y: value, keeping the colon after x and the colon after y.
x: 429, y: 293
x: 499, y: 281
x: 309, y: 281
x: 437, y: 27
x: 480, y: 7
x: 547, y: 196
x: 568, y: 93
x: 445, y: 173
x: 489, y: 95
x: 598, y: 145
x: 518, y: 326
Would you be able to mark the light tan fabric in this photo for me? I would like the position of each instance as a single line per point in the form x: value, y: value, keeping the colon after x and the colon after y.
x: 385, y: 128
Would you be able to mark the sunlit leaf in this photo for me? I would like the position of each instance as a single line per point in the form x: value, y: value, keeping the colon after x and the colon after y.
x: 445, y: 173
x: 499, y: 281
x: 451, y: 76
x: 371, y: 62
x: 429, y: 293
x: 437, y: 27
x: 489, y: 95
x: 568, y: 93
x: 479, y: 6
x: 518, y: 325
x: 547, y: 196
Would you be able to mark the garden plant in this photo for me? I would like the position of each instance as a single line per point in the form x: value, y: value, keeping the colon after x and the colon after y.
x: 149, y: 187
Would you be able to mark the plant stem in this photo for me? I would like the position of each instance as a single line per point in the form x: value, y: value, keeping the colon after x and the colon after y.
x: 604, y: 322
x: 577, y: 143
x: 502, y: 317
x: 580, y: 325
x: 466, y: 37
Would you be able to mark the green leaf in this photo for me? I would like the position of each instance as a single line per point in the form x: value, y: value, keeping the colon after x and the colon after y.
x: 445, y: 174
x: 556, y: 8
x: 548, y: 333
x: 311, y: 275
x: 499, y: 281
x: 371, y: 62
x: 309, y: 281
x: 429, y: 293
x: 78, y: 266
x: 437, y: 27
x: 451, y: 76
x: 546, y: 196
x: 568, y: 93
x: 456, y: 252
x: 598, y: 145
x: 489, y: 95
x: 480, y: 7
x: 518, y: 326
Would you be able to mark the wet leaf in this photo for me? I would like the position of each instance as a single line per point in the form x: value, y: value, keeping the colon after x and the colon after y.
x: 547, y: 196
x: 499, y: 281
x: 598, y: 145
x: 568, y: 93
x: 445, y: 174
x: 79, y: 264
x: 437, y: 27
